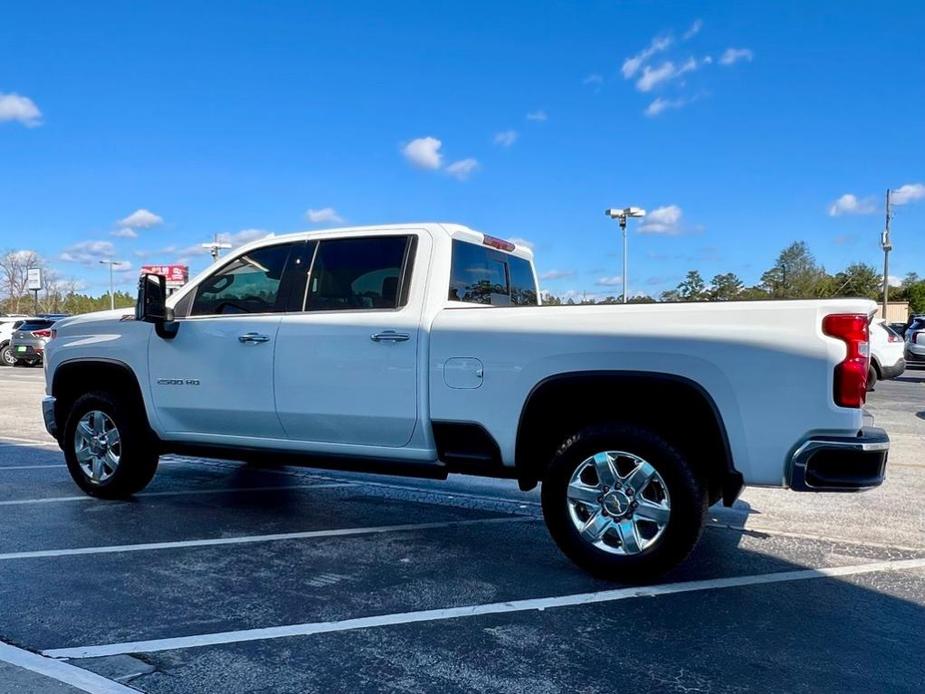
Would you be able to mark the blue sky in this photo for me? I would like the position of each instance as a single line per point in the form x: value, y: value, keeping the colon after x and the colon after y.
x: 743, y: 123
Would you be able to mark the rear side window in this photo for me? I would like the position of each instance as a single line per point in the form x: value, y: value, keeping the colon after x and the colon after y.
x: 251, y: 283
x: 359, y: 274
x: 482, y: 275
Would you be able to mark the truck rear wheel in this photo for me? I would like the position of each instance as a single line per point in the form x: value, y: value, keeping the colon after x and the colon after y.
x: 622, y: 503
x: 107, y: 447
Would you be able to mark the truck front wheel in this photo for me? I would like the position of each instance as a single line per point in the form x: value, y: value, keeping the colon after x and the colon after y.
x: 107, y: 447
x: 623, y: 503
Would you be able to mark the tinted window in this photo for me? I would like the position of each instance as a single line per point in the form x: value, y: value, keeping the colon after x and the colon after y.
x: 523, y: 286
x: 482, y: 275
x: 357, y: 273
x: 251, y: 283
x: 31, y: 325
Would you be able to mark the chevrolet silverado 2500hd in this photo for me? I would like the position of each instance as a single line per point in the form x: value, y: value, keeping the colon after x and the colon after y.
x: 422, y: 349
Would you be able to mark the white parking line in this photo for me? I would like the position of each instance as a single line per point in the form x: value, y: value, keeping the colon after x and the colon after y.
x: 80, y: 679
x: 193, y: 492
x: 226, y: 637
x: 250, y: 539
x: 59, y: 466
x: 16, y: 441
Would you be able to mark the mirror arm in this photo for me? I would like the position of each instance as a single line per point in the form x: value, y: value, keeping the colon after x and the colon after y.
x: 167, y: 328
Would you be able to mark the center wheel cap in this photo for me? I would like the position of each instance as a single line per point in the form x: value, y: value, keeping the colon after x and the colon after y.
x: 616, y: 503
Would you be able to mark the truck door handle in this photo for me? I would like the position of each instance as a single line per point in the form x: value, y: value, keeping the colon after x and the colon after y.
x: 253, y: 338
x: 389, y: 336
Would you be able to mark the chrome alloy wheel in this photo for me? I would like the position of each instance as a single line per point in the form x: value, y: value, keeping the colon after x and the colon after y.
x: 97, y: 446
x: 618, y: 502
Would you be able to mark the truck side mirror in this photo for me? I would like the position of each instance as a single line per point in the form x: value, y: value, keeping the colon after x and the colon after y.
x: 152, y: 305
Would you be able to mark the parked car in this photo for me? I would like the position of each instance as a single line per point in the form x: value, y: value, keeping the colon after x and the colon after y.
x: 422, y: 349
x: 27, y: 345
x: 898, y: 328
x: 915, y: 341
x: 7, y: 325
x: 886, y: 354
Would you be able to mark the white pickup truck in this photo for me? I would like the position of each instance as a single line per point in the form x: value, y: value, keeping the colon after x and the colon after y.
x: 422, y: 349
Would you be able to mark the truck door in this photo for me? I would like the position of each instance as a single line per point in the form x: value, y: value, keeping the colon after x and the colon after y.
x: 215, y: 377
x: 346, y: 366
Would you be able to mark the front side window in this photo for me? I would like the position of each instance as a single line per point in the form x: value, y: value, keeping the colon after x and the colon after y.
x: 358, y: 273
x: 250, y: 283
x: 482, y: 275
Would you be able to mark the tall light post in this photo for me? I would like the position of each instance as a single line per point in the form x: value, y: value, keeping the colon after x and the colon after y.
x: 621, y: 216
x: 887, y: 245
x: 111, y: 264
x: 215, y: 246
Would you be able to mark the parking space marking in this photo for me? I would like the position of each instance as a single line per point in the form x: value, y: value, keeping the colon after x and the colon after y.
x: 16, y: 441
x: 262, y: 634
x: 251, y: 539
x: 60, y: 466
x: 76, y: 677
x: 187, y: 492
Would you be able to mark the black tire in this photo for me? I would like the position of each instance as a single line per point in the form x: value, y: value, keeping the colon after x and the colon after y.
x: 138, y: 456
x: 6, y: 356
x: 871, y: 377
x: 688, y: 503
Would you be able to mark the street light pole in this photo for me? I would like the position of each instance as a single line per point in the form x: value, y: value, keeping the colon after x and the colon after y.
x: 112, y: 297
x: 621, y: 216
x: 215, y: 247
x: 887, y: 245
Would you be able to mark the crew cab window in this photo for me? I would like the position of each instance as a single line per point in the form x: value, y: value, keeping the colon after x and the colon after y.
x: 251, y: 283
x: 360, y: 273
x: 482, y: 275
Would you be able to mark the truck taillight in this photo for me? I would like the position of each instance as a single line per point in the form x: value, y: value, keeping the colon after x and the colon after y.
x: 851, y: 373
x: 42, y: 333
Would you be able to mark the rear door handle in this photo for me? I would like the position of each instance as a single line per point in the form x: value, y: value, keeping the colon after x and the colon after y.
x: 253, y: 338
x: 390, y: 336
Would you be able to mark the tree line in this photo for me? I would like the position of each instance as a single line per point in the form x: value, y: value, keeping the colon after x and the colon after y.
x: 59, y: 294
x: 794, y: 275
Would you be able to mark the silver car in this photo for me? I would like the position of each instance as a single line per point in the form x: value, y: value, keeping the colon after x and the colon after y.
x: 915, y: 342
x: 27, y: 345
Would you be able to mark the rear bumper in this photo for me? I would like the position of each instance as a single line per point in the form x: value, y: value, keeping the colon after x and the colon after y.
x: 915, y: 357
x: 840, y: 463
x: 26, y: 352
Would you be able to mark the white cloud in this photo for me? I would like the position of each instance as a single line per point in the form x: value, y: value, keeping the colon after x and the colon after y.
x: 141, y: 219
x: 593, y: 79
x: 660, y: 104
x: 22, y: 109
x: 733, y: 55
x: 539, y: 116
x: 632, y: 64
x: 557, y: 275
x: 424, y: 152
x: 652, y: 77
x: 462, y: 169
x: 88, y: 252
x: 325, y: 215
x: 521, y: 242
x: 613, y: 281
x: 125, y: 233
x: 850, y: 204
x: 694, y: 29
x: 662, y: 220
x: 893, y: 280
x: 908, y: 193
x: 506, y: 138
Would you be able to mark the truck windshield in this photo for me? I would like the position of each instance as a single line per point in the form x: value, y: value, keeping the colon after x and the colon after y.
x: 483, y: 275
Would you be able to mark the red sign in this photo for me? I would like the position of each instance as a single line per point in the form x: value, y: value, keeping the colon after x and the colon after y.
x: 175, y: 274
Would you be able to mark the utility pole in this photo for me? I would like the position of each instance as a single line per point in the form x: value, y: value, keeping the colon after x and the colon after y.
x: 215, y: 246
x: 887, y: 246
x: 621, y: 216
x: 112, y: 297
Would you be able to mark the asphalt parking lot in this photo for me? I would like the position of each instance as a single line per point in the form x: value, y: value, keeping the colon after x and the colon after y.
x: 234, y: 578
